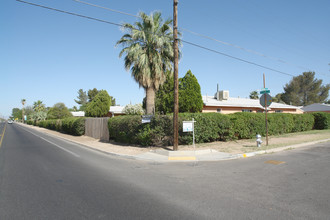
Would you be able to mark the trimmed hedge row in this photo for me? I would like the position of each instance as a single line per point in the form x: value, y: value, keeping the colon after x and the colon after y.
x: 208, y: 127
x: 322, y: 120
x: 71, y: 125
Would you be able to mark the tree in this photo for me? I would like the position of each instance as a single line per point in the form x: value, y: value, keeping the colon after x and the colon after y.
x: 38, y: 116
x: 92, y: 94
x: 82, y: 99
x: 38, y: 106
x: 113, y: 101
x: 278, y: 98
x: 148, y: 49
x: 100, y: 105
x: 304, y: 90
x: 133, y: 109
x: 16, y: 113
x: 58, y: 111
x: 190, y: 98
x: 254, y: 95
x: 164, y: 102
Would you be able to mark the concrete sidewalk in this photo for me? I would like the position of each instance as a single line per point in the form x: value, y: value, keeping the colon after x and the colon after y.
x: 210, y: 154
x: 159, y: 154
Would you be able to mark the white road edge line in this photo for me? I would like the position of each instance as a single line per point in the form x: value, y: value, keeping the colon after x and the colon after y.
x: 70, y: 152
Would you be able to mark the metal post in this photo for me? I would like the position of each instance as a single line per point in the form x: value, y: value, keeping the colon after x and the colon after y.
x: 176, y: 81
x: 193, y: 132
x: 266, y: 113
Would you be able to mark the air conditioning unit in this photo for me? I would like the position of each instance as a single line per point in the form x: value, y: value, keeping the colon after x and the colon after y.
x: 222, y: 95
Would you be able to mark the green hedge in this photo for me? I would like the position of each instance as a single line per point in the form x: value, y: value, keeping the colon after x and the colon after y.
x: 208, y: 127
x: 72, y: 125
x: 322, y: 120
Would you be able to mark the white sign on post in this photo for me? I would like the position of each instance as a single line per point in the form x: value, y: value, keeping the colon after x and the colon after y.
x: 188, y: 126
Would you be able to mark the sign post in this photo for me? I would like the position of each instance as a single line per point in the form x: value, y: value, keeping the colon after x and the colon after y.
x: 265, y: 101
x: 189, y: 126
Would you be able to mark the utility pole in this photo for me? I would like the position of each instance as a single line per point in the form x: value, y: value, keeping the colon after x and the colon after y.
x: 266, y: 113
x: 176, y: 75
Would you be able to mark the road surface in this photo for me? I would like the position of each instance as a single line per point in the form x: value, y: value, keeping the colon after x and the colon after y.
x: 42, y: 177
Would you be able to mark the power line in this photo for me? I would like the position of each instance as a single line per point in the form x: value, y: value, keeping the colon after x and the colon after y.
x: 203, y: 36
x: 109, y: 9
x: 187, y: 42
x: 70, y: 13
x: 236, y: 58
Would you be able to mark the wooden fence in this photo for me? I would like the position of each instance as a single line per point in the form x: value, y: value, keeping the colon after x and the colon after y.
x: 97, y: 128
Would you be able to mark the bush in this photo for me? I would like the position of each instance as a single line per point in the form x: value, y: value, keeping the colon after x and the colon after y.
x: 322, y: 120
x: 73, y: 126
x: 99, y: 106
x: 303, y: 122
x: 247, y: 125
x: 208, y: 127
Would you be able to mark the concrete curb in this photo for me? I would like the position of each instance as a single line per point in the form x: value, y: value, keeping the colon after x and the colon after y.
x: 164, y: 156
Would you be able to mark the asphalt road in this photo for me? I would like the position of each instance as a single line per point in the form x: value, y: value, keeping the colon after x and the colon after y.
x: 42, y: 177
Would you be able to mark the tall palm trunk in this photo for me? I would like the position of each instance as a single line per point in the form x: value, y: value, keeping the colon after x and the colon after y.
x: 150, y: 100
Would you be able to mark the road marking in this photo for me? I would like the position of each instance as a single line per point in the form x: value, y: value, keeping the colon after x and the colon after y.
x: 3, y: 134
x: 62, y: 148
x: 181, y: 158
x: 275, y: 162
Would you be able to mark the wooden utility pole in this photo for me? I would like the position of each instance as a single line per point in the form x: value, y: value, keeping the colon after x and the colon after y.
x: 266, y: 113
x: 176, y: 75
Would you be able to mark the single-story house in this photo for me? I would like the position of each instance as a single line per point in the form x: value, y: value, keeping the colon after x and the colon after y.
x: 316, y: 107
x: 116, y: 111
x: 224, y: 104
x: 113, y: 111
x: 78, y: 114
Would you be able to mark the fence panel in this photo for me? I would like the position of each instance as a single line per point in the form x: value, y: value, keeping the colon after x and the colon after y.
x: 97, y: 128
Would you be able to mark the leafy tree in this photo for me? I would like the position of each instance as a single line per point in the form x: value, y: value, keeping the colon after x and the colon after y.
x: 16, y: 113
x: 164, y: 102
x: 278, y: 98
x: 82, y: 99
x: 58, y: 111
x: 305, y: 90
x: 38, y: 106
x: 190, y: 98
x: 113, y: 101
x: 99, y: 106
x: 28, y: 111
x: 133, y: 109
x: 254, y: 95
x: 148, y: 49
x: 38, y: 116
x: 92, y: 94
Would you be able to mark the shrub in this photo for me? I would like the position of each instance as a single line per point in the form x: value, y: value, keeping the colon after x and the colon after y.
x: 99, y: 106
x: 303, y: 122
x: 73, y: 126
x: 322, y: 120
x: 208, y: 127
x: 247, y: 125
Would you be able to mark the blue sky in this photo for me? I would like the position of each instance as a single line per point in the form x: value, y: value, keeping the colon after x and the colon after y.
x: 46, y: 55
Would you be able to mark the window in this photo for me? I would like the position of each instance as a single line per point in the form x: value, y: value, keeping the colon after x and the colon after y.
x: 219, y: 110
x: 278, y: 111
x: 260, y: 111
x: 246, y: 110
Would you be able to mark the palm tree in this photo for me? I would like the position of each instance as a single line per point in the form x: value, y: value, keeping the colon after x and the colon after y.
x: 23, y: 101
x: 254, y: 95
x: 148, y: 49
x: 38, y: 106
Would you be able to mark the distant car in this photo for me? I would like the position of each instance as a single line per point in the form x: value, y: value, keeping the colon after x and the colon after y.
x: 10, y: 121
